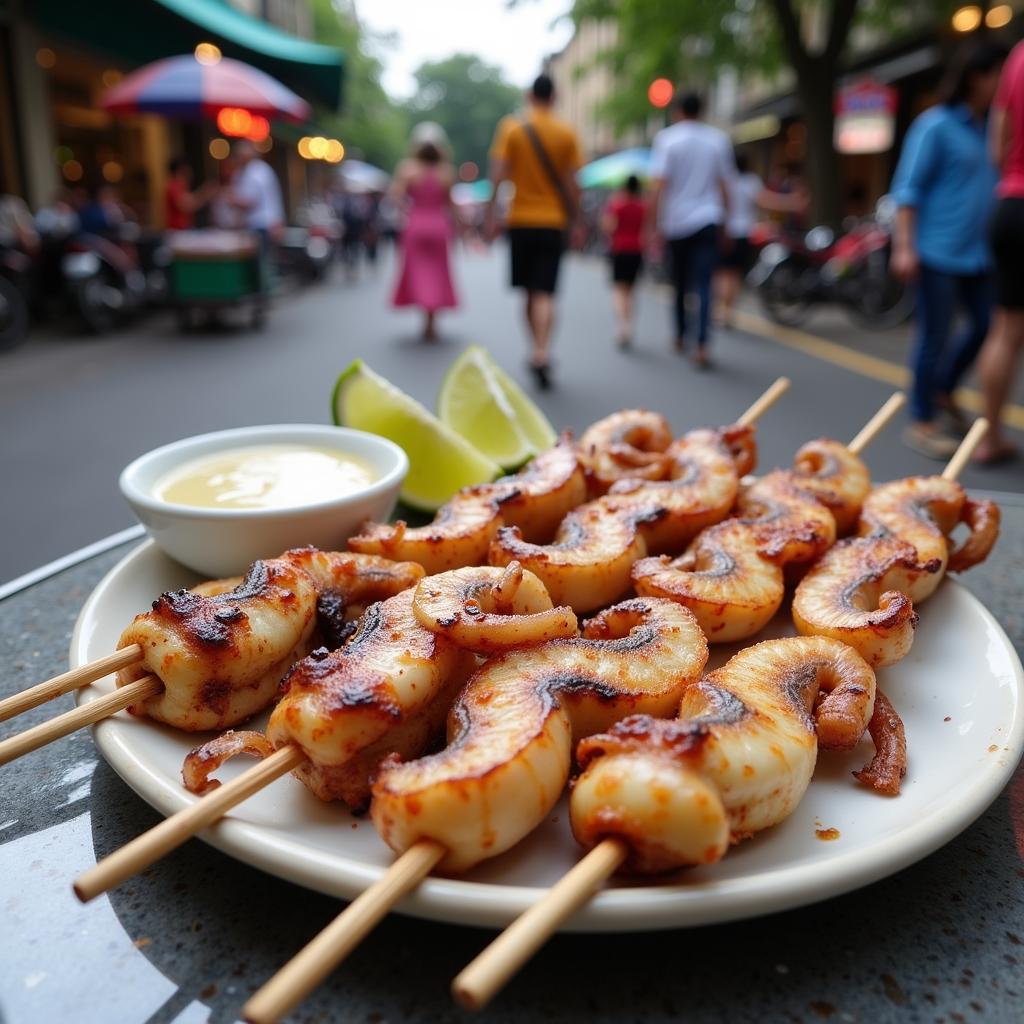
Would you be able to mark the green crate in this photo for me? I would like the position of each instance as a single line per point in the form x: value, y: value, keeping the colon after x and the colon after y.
x: 214, y: 280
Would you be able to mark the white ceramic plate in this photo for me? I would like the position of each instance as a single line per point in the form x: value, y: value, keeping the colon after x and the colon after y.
x: 959, y: 693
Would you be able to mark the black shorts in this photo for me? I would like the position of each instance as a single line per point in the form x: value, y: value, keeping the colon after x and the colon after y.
x: 1007, y: 237
x: 626, y: 266
x: 737, y: 255
x: 536, y: 253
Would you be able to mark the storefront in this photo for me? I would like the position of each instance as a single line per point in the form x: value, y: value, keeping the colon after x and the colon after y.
x: 64, y: 57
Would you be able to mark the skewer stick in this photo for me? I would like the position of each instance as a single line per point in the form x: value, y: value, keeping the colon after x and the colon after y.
x: 955, y: 466
x: 86, y: 714
x: 68, y: 681
x: 175, y: 830
x: 765, y: 402
x: 310, y: 966
x: 877, y: 423
x: 476, y: 985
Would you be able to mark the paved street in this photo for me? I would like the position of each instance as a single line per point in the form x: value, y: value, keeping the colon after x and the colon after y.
x: 74, y: 410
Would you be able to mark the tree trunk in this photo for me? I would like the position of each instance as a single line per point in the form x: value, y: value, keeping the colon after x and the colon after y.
x: 815, y: 88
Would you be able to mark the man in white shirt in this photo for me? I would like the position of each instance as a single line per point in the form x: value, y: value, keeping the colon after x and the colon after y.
x: 257, y: 194
x: 692, y: 167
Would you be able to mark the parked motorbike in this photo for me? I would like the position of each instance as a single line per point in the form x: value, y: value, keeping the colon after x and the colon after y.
x: 794, y: 274
x: 15, y: 270
x: 105, y: 282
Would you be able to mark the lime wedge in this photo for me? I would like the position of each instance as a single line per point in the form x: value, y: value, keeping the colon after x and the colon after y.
x: 440, y: 461
x: 489, y: 409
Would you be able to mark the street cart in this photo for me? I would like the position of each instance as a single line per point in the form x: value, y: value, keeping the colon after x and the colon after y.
x: 214, y: 270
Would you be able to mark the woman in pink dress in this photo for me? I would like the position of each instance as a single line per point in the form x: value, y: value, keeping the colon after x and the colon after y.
x: 424, y: 182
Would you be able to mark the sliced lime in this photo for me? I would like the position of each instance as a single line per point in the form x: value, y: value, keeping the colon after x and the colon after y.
x: 489, y: 409
x: 440, y: 460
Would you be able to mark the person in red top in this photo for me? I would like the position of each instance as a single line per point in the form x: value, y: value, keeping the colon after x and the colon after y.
x: 623, y: 222
x: 180, y: 202
x: 997, y: 365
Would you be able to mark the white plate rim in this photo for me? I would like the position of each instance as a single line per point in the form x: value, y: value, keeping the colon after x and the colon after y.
x: 642, y: 908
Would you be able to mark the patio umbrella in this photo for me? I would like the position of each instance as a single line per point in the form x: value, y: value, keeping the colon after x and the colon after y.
x: 185, y: 88
x: 612, y: 170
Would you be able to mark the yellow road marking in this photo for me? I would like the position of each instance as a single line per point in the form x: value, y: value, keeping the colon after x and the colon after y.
x: 859, y: 362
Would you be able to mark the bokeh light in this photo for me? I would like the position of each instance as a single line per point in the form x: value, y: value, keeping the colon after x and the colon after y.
x: 303, y: 147
x: 112, y: 171
x: 468, y: 171
x: 998, y: 16
x: 659, y: 92
x: 72, y: 170
x: 334, y: 152
x: 45, y: 57
x: 111, y: 77
x: 207, y: 53
x: 219, y: 148
x: 967, y: 19
x: 318, y: 147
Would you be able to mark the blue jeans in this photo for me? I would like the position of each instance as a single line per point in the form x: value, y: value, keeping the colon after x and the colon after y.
x: 693, y: 262
x: 936, y: 371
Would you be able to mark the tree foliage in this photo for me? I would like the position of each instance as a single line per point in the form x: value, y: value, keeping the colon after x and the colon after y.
x: 371, y: 124
x: 467, y: 97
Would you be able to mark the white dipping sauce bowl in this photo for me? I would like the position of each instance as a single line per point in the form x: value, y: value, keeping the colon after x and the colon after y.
x: 220, y: 542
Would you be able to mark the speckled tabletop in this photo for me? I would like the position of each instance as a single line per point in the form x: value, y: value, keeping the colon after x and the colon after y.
x: 191, y: 938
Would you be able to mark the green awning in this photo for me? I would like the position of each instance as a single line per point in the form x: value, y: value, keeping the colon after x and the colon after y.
x: 139, y: 31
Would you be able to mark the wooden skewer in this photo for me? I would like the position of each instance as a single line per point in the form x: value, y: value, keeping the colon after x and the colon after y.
x: 476, y: 985
x: 955, y: 466
x: 175, y: 830
x: 877, y: 423
x: 765, y: 402
x: 68, y: 681
x: 310, y: 966
x: 86, y: 714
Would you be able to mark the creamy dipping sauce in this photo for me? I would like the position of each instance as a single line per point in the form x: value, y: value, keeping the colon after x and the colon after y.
x: 266, y: 476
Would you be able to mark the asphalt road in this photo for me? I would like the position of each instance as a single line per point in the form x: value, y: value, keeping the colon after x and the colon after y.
x: 74, y: 411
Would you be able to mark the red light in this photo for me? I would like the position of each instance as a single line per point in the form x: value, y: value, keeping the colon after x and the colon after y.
x: 659, y: 92
x: 234, y: 121
x: 259, y: 128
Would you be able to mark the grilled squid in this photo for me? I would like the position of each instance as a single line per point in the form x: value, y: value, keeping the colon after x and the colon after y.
x: 864, y: 590
x: 732, y: 576
x: 837, y: 477
x: 488, y: 610
x: 587, y: 564
x: 535, y: 500
x: 738, y: 759
x: 510, y: 733
x: 700, y: 488
x: 222, y: 653
x: 630, y: 444
x: 388, y: 689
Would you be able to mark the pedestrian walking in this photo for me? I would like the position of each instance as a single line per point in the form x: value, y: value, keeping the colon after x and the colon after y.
x: 745, y: 188
x: 623, y: 223
x: 998, y: 363
x: 540, y: 155
x: 692, y: 166
x: 424, y: 181
x: 257, y: 195
x: 747, y: 196
x: 944, y: 187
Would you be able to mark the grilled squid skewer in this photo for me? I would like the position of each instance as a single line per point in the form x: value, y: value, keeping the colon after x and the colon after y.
x: 732, y: 577
x: 657, y: 795
x: 864, y: 590
x: 535, y: 501
x: 211, y: 657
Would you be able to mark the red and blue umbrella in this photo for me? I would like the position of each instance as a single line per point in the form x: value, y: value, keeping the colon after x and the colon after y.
x: 183, y: 87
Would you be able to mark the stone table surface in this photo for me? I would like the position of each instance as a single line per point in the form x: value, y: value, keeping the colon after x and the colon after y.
x: 189, y: 940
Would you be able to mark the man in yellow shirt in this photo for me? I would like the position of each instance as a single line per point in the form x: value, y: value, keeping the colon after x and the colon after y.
x: 539, y: 154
